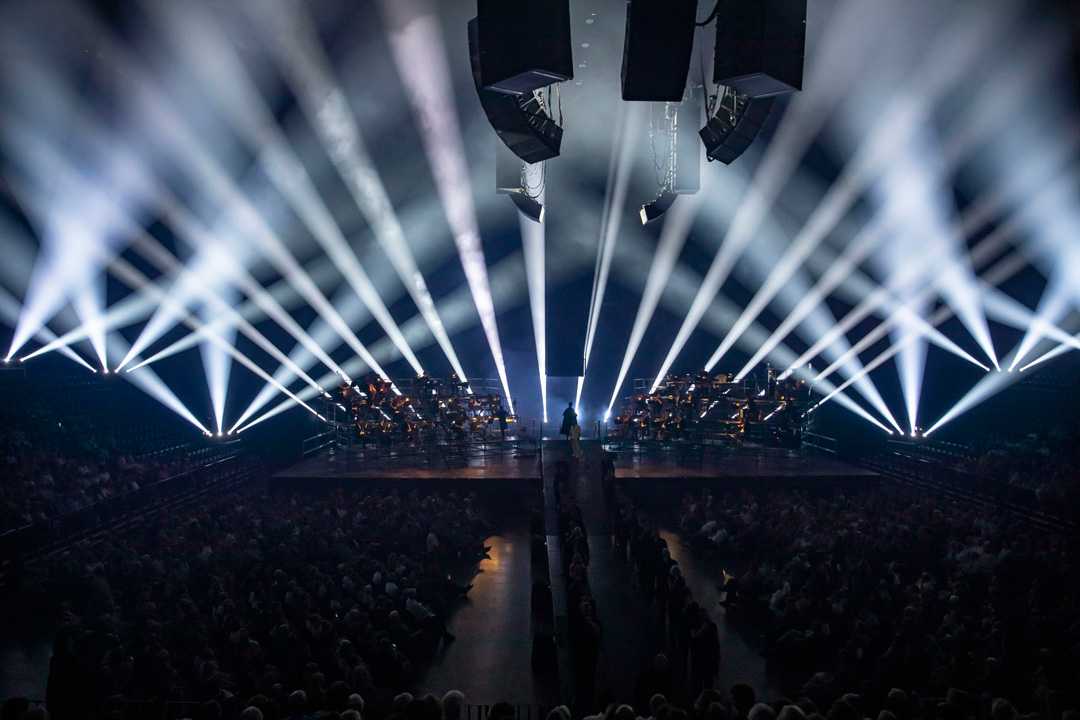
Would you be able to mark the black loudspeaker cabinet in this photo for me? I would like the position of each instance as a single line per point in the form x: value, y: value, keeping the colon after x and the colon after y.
x: 657, y: 48
x: 518, y: 120
x: 726, y: 142
x: 760, y: 46
x: 524, y: 44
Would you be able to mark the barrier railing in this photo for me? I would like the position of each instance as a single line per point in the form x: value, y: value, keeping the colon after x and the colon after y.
x: 29, y: 539
x: 822, y: 444
x: 316, y: 443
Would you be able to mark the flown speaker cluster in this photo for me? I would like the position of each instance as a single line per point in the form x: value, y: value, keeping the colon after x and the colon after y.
x: 759, y: 55
x: 522, y: 50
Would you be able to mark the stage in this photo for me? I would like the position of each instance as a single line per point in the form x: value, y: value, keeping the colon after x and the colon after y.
x: 496, y: 463
x: 512, y: 464
x: 748, y: 466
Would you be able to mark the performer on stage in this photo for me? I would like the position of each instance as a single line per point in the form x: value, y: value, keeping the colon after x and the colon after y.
x: 500, y: 415
x: 575, y: 441
x: 569, y: 419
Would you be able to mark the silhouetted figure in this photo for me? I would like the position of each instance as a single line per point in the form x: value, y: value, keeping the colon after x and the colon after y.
x: 501, y: 415
x: 569, y: 420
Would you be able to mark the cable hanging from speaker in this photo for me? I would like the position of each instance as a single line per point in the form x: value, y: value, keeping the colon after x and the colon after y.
x: 712, y: 15
x: 664, y: 168
x: 533, y: 191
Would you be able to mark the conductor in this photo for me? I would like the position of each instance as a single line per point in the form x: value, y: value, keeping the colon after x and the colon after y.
x: 569, y: 420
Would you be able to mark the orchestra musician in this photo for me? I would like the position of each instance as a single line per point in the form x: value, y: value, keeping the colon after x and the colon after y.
x: 434, y: 411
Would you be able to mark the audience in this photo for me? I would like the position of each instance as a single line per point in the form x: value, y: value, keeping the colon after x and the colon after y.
x: 56, y: 462
x: 885, y: 603
x: 1044, y: 464
x: 890, y: 588
x: 279, y: 605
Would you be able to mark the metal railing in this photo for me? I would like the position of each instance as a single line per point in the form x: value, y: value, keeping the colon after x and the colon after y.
x: 432, y: 455
x: 818, y: 443
x: 317, y: 443
x: 928, y: 474
x: 33, y: 538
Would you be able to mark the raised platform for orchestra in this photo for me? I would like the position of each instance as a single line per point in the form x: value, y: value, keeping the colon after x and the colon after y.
x: 496, y: 463
x: 747, y: 466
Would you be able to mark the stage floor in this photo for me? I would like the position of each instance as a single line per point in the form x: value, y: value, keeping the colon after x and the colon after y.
x: 509, y: 464
x: 747, y: 464
x: 497, y: 461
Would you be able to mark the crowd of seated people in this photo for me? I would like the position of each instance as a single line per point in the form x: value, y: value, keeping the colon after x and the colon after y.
x: 56, y: 463
x: 889, y: 588
x: 323, y: 606
x: 1044, y: 464
x: 585, y: 630
x: 820, y: 699
x: 686, y: 636
x: 246, y: 601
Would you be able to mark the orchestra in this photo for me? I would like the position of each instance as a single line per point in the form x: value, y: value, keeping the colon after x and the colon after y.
x: 433, y: 411
x: 695, y: 405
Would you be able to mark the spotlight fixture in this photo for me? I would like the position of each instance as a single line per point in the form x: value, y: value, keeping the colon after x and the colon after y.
x: 529, y: 207
x: 652, y: 210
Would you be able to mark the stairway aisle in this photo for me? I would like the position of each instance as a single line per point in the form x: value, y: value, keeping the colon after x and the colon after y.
x: 628, y: 633
x: 491, y: 658
x: 739, y: 661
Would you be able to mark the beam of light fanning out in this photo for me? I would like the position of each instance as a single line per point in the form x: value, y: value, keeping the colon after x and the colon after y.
x: 208, y: 52
x: 677, y: 225
x: 627, y: 128
x: 309, y: 73
x: 416, y: 44
x: 532, y: 245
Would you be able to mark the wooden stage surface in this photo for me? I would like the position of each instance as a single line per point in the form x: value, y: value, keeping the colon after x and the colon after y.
x: 507, y: 464
x: 501, y: 464
x: 746, y: 464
